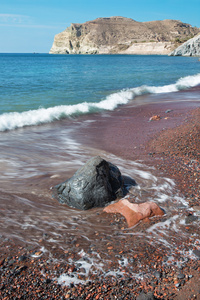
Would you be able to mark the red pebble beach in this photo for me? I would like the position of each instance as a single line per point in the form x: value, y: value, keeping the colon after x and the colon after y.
x: 170, y: 144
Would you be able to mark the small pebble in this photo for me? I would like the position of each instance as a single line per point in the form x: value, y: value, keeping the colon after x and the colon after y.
x: 157, y: 274
x: 177, y: 284
x: 22, y: 258
x: 180, y: 276
x: 197, y: 253
x: 190, y: 219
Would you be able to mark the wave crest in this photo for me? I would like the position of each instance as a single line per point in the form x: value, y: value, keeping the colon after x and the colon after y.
x: 13, y: 120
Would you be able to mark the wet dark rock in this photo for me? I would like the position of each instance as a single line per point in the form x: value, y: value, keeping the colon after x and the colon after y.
x: 48, y: 280
x: 18, y: 270
x: 168, y: 110
x: 82, y: 270
x: 22, y: 258
x: 128, y: 181
x: 143, y: 296
x: 11, y: 262
x: 182, y: 282
x: 197, y: 209
x: 45, y: 236
x: 190, y: 219
x: 2, y: 261
x: 157, y: 274
x: 180, y: 276
x: 97, y: 183
x: 197, y: 253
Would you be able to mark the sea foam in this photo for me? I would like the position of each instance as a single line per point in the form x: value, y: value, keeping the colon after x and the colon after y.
x: 13, y: 120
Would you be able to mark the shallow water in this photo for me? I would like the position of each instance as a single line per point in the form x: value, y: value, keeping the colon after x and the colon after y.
x: 34, y: 159
x: 43, y: 96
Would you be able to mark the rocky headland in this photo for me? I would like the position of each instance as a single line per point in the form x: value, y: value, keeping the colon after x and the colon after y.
x: 119, y: 35
x: 189, y: 48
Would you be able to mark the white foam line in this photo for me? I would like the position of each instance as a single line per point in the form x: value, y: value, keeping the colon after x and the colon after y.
x: 12, y: 120
x: 165, y: 225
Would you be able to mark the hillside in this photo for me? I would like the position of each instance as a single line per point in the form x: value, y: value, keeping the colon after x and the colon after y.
x: 122, y: 35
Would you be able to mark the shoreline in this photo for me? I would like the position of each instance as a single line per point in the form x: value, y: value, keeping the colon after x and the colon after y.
x: 127, y: 133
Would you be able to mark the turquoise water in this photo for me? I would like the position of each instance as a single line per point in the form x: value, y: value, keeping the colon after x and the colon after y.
x: 57, y: 86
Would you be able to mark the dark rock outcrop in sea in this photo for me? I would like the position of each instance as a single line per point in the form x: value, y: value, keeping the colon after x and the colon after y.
x: 189, y: 48
x: 122, y: 35
x: 97, y: 183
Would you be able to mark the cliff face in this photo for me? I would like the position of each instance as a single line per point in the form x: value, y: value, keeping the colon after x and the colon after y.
x: 189, y: 48
x: 121, y: 35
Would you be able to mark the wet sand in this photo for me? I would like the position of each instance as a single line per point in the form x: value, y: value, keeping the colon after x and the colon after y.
x: 127, y: 131
x: 171, y: 146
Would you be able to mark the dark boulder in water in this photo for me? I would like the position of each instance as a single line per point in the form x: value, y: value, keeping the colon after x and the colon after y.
x: 95, y: 184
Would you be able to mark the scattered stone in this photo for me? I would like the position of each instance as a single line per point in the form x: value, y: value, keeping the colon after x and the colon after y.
x: 45, y: 236
x: 168, y: 110
x: 180, y: 276
x: 190, y: 219
x: 11, y: 262
x: 143, y: 296
x: 197, y: 253
x: 48, y: 280
x: 68, y: 295
x: 157, y: 274
x: 37, y: 253
x: 155, y: 118
x: 133, y: 213
x: 197, y: 210
x: 177, y: 284
x: 22, y: 258
x: 2, y: 261
x: 97, y: 183
x: 18, y: 270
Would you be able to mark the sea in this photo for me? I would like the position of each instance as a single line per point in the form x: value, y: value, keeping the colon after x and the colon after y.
x: 41, y: 88
x: 44, y: 100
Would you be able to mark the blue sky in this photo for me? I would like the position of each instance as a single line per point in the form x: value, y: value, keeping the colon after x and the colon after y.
x: 28, y: 26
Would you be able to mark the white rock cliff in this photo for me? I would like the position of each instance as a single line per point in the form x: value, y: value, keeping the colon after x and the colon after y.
x: 189, y: 48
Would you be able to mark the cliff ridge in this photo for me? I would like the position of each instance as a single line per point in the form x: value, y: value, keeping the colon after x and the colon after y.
x: 122, y: 35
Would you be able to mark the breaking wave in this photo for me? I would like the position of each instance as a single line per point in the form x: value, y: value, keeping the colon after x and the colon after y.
x: 13, y: 120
